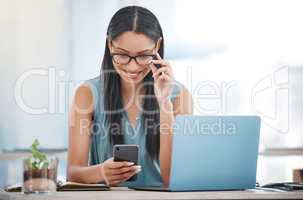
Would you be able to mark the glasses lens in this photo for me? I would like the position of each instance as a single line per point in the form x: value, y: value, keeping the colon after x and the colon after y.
x: 121, y: 59
x: 144, y: 59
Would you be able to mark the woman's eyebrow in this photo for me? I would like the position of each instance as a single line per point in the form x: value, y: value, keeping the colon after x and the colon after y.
x: 146, y: 50
x: 119, y: 48
x: 143, y: 51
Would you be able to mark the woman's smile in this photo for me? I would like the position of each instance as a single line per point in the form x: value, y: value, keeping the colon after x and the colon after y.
x: 134, y: 75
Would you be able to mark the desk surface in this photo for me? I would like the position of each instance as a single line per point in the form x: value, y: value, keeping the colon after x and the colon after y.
x: 124, y: 193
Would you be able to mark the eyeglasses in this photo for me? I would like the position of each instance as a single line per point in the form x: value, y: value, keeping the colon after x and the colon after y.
x: 124, y: 59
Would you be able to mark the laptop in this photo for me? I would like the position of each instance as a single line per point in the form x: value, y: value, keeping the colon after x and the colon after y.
x: 213, y: 153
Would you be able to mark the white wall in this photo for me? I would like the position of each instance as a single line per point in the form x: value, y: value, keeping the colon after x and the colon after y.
x: 64, y: 41
x: 89, y: 23
x: 34, y: 34
x: 236, y: 41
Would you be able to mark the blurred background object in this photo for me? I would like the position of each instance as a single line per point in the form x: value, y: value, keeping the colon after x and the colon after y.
x: 235, y: 57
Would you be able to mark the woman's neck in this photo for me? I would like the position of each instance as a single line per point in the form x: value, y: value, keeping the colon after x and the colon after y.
x: 131, y: 90
x: 132, y: 94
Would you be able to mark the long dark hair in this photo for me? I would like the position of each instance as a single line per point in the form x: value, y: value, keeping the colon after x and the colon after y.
x: 139, y: 20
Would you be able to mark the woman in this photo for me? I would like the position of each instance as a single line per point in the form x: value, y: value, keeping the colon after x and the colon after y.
x: 134, y: 101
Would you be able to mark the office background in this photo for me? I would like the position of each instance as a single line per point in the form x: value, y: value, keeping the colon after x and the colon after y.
x: 235, y: 57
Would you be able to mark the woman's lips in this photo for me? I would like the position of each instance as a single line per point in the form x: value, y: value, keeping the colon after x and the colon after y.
x: 133, y: 75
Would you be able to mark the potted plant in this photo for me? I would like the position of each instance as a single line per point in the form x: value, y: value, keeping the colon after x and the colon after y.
x: 39, y: 172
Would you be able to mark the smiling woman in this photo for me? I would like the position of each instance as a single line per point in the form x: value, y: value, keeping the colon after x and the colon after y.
x: 142, y: 55
x: 134, y: 101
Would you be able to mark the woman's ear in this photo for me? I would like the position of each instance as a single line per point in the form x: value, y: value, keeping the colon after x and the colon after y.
x: 158, y: 44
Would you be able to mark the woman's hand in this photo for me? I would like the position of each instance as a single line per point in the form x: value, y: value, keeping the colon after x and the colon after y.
x: 118, y: 172
x: 163, y: 80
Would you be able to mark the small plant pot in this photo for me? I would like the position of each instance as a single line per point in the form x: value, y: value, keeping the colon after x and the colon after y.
x: 41, y: 179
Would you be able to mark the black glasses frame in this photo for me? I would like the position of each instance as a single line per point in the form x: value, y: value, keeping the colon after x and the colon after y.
x: 131, y: 57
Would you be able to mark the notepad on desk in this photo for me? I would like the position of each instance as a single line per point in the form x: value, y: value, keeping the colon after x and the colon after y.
x: 73, y: 186
x: 67, y: 186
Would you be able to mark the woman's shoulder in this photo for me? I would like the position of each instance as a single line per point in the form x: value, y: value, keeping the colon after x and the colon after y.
x: 88, y: 92
x: 83, y: 99
x: 94, y: 82
x: 94, y: 85
x: 182, y: 99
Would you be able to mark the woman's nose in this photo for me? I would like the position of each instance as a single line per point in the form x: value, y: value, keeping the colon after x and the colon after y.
x: 132, y: 65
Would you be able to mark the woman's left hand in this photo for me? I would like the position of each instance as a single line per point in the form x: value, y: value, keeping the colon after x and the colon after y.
x: 163, y: 80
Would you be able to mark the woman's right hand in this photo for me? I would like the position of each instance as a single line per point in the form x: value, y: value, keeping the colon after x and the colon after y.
x: 117, y: 172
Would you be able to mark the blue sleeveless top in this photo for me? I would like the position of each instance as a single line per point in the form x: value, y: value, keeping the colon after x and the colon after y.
x: 101, y: 148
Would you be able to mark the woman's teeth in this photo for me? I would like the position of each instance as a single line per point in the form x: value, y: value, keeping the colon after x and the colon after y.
x: 133, y: 75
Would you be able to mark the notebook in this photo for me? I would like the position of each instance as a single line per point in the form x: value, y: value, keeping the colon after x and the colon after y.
x: 66, y: 186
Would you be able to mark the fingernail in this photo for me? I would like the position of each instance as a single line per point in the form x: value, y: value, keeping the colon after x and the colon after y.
x: 137, y: 168
x: 130, y: 163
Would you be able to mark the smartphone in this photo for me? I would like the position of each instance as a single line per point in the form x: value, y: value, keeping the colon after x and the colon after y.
x: 157, y: 65
x: 125, y: 152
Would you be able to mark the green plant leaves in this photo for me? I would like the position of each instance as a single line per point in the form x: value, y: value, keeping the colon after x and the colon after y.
x: 39, y: 160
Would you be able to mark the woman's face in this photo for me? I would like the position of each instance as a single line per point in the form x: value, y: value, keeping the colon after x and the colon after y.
x: 132, y: 44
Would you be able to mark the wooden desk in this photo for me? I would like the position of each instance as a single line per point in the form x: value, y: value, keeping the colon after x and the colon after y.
x: 124, y: 193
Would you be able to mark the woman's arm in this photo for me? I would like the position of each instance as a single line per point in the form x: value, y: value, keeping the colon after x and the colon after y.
x: 183, y: 104
x: 78, y: 169
x: 79, y: 139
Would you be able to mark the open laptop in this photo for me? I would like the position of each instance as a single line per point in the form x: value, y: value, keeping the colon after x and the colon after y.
x: 213, y: 153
